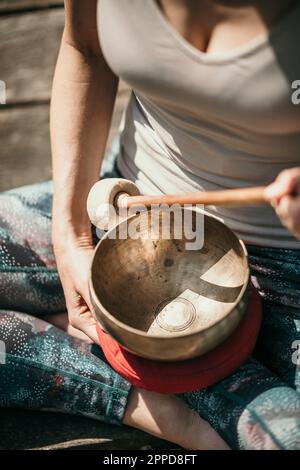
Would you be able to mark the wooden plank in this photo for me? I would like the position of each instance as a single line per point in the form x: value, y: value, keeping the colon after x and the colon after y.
x: 28, y: 49
x: 17, y: 5
x: 24, y: 429
x: 25, y: 148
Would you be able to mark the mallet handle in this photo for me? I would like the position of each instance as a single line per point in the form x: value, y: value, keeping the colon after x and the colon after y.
x: 240, y: 197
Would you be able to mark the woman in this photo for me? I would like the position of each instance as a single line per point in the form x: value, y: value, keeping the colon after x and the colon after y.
x: 211, y: 108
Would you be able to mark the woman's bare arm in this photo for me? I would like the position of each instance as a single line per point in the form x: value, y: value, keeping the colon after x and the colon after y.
x: 83, y: 96
x: 84, y: 90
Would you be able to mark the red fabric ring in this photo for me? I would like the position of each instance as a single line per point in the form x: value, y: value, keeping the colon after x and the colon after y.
x: 186, y: 376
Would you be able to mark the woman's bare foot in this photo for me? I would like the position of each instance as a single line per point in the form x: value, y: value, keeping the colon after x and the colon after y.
x: 168, y: 417
x: 164, y: 416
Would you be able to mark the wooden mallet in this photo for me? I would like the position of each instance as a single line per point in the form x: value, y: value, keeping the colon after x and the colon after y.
x: 115, y: 193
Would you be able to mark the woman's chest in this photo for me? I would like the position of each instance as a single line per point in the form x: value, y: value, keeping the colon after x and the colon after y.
x: 249, y: 87
x: 221, y: 26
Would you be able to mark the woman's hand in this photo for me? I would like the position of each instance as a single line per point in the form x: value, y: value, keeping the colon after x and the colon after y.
x: 73, y: 257
x: 284, y: 194
x: 82, y: 102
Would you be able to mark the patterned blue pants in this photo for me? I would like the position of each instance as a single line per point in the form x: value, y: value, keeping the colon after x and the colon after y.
x: 258, y: 407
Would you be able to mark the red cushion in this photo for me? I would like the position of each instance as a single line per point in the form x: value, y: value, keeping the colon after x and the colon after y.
x: 185, y: 376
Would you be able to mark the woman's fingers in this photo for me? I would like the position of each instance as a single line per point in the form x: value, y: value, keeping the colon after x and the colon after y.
x: 74, y: 265
x: 288, y: 209
x: 79, y: 310
x: 284, y: 195
x: 61, y: 321
x: 81, y: 318
x: 87, y: 324
x: 287, y: 183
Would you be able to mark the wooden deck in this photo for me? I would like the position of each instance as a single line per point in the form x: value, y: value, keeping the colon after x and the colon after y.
x: 50, y: 431
x: 30, y: 32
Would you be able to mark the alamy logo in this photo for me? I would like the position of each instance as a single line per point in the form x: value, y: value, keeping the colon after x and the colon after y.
x: 2, y: 92
x: 2, y: 352
x: 296, y: 93
x: 166, y: 222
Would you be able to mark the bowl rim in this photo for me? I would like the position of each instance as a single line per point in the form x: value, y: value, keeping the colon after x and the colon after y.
x: 136, y: 331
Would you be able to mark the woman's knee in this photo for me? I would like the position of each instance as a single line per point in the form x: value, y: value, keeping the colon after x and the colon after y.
x: 271, y: 421
x: 29, y: 279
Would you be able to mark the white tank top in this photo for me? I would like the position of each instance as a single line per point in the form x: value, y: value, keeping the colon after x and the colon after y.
x: 199, y: 121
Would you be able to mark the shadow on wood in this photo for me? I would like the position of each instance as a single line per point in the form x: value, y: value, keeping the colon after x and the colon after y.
x: 42, y: 430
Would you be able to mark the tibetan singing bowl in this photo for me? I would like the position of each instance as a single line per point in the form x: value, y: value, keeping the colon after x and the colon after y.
x: 162, y: 300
